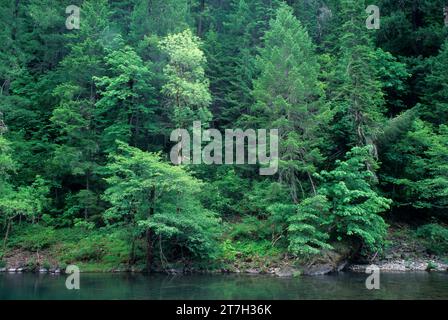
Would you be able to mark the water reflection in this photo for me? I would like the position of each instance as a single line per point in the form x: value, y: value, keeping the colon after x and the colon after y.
x: 138, y: 286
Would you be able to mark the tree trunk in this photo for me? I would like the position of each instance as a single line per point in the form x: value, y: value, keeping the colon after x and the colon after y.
x: 132, y: 253
x: 148, y: 250
x: 6, y: 235
x: 86, y: 209
x: 149, y: 243
x: 445, y: 14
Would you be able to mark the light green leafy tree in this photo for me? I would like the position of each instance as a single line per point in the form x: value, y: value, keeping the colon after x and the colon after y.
x: 308, y: 227
x: 160, y: 200
x: 25, y: 201
x: 355, y: 204
x: 186, y: 89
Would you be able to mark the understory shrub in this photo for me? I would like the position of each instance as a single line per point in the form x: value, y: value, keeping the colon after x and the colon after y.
x: 435, y: 238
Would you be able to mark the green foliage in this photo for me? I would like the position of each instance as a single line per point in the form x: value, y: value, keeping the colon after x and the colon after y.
x: 355, y: 204
x: 434, y: 237
x: 307, y: 230
x: 137, y: 69
x: 356, y: 92
x: 420, y: 156
x: 33, y: 237
x: 347, y: 207
x: 435, y: 106
x: 127, y: 97
x: 186, y: 88
x: 109, y: 248
x: 250, y: 228
x: 248, y: 250
x: 153, y: 195
x: 287, y: 96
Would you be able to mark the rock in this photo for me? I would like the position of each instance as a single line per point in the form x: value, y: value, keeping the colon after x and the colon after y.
x: 394, y: 266
x: 320, y: 269
x: 342, y: 266
x: 19, y: 270
x: 357, y: 268
x: 43, y: 270
x: 252, y: 271
x: 11, y: 269
x: 2, y: 269
x: 273, y: 270
x: 174, y: 271
x: 285, y: 272
x: 330, y: 261
x: 57, y: 271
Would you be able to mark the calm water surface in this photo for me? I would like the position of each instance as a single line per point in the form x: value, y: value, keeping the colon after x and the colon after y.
x: 137, y: 286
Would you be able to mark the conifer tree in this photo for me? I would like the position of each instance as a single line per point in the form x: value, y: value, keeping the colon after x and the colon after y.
x: 435, y: 100
x: 288, y: 97
x: 356, y: 94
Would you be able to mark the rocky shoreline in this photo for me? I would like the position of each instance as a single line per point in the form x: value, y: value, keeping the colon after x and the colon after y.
x: 400, y: 265
x: 403, y: 265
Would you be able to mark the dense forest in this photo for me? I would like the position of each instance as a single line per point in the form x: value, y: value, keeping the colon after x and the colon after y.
x: 88, y: 107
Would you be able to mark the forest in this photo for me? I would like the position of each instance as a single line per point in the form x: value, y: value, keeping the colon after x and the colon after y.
x: 92, y: 93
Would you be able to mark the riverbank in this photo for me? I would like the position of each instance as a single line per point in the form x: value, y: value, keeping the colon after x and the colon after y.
x: 108, y: 253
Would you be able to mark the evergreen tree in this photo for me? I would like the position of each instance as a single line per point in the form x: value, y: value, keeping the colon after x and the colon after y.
x: 77, y: 154
x: 159, y: 17
x: 127, y: 106
x: 288, y: 96
x: 231, y: 48
x: 435, y: 100
x: 356, y: 94
x: 415, y: 166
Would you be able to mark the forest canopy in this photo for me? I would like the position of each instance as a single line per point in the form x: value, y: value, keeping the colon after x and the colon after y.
x: 88, y: 104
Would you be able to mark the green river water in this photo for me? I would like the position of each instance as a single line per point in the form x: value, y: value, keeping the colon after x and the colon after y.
x: 420, y: 285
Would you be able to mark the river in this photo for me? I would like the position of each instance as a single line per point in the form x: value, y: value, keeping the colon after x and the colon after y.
x: 418, y: 285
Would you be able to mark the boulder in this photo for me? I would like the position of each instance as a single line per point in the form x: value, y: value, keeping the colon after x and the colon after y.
x: 285, y: 272
x: 329, y: 261
x: 252, y: 271
x: 175, y: 271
